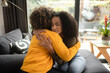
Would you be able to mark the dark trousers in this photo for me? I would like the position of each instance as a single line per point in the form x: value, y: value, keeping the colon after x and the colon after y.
x: 52, y: 70
x: 22, y: 71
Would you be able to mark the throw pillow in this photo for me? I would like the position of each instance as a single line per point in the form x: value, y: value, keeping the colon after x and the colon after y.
x: 7, y: 38
x: 21, y: 46
x: 14, y: 35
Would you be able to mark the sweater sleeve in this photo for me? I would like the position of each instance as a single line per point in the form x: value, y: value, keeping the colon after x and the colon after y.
x: 59, y: 60
x: 67, y: 54
x: 62, y: 51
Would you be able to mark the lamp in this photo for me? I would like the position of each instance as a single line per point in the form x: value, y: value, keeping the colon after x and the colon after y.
x: 5, y: 4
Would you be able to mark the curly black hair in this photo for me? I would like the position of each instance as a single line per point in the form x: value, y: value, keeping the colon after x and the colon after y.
x: 69, y: 24
x: 40, y: 18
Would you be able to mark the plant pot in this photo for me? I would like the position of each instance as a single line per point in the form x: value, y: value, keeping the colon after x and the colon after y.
x: 105, y: 40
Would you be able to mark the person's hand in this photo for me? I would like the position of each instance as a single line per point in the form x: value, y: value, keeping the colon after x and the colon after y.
x: 44, y: 41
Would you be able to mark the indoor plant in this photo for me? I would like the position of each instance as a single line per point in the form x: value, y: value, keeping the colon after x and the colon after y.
x: 105, y: 30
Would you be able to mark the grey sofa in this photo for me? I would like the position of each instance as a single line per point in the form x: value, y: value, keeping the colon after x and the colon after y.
x: 11, y: 63
x: 93, y: 65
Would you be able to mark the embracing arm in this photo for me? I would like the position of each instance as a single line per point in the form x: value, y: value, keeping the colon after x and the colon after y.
x: 69, y: 43
x: 60, y: 48
x: 66, y: 54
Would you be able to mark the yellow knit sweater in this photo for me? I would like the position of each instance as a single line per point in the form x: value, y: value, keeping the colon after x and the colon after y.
x: 38, y: 59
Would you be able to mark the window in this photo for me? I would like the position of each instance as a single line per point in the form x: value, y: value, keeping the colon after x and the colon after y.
x: 57, y: 5
x: 92, y: 13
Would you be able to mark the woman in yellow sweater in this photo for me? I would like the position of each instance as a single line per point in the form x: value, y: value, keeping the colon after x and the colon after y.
x: 65, y: 25
x: 38, y: 58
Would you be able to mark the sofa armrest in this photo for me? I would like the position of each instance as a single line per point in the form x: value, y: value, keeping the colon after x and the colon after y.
x: 11, y: 63
x: 93, y: 65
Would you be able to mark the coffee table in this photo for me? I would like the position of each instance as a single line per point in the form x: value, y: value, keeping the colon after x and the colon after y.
x: 102, y: 49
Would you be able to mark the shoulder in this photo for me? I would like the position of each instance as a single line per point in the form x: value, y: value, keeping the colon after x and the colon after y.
x: 33, y: 39
x: 53, y: 35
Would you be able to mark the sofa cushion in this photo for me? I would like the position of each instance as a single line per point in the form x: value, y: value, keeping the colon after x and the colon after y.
x: 12, y: 36
x: 93, y: 65
x: 11, y: 63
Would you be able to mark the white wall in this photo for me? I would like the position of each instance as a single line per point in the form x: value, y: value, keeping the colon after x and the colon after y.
x: 2, y: 31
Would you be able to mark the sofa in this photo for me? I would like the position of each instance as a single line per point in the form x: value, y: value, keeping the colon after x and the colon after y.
x: 10, y: 61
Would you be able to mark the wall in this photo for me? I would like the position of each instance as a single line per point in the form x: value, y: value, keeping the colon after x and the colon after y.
x: 2, y: 31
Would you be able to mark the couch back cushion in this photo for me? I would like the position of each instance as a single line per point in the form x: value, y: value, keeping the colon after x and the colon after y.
x: 10, y: 37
